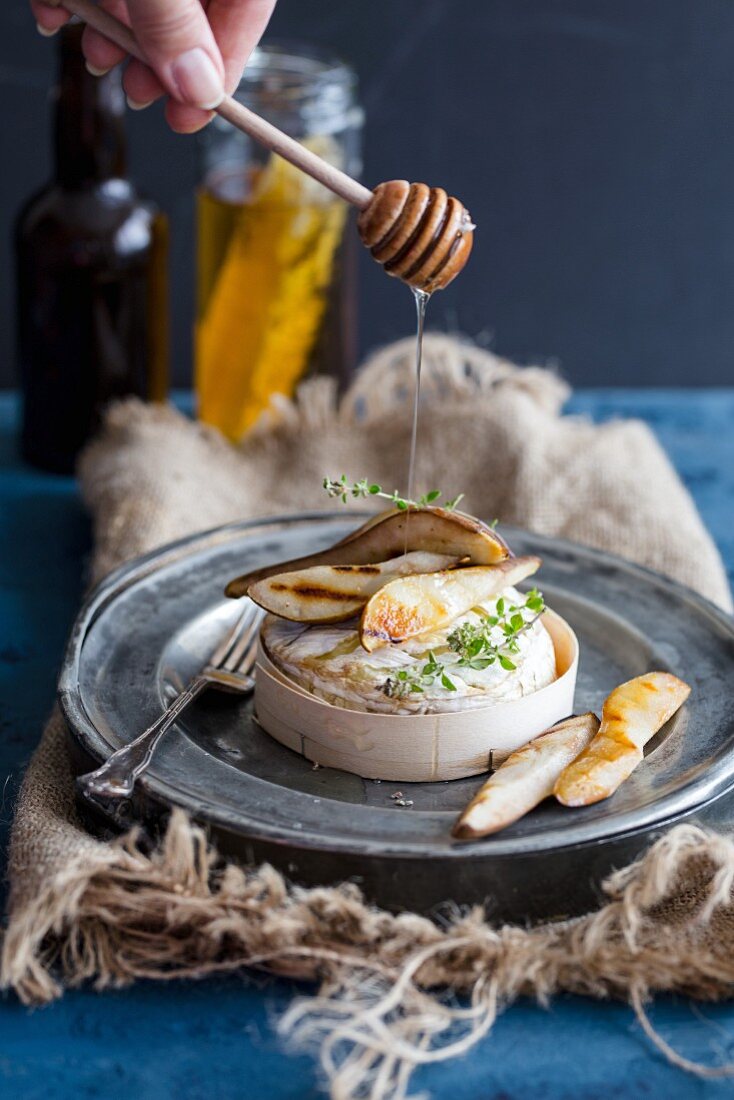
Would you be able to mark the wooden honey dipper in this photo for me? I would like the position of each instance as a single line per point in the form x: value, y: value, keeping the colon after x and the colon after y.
x: 418, y: 233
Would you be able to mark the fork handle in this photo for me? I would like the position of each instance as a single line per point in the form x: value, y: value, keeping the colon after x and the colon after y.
x: 117, y: 776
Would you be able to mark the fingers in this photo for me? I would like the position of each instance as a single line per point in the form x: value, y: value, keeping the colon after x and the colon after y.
x: 178, y: 43
x: 185, y: 120
x: 48, y: 18
x: 194, y: 55
x: 101, y: 54
x: 142, y: 87
x: 237, y: 26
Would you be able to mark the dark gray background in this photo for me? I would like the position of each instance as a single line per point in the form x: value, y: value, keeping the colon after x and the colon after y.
x: 593, y: 141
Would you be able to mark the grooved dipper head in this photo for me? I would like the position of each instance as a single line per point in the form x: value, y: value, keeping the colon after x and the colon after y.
x: 418, y: 233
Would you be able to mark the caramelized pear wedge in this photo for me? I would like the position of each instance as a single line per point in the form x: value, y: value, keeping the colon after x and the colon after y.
x: 632, y: 714
x: 525, y: 778
x: 333, y: 593
x: 379, y: 517
x: 410, y: 606
x: 434, y: 530
x: 457, y: 520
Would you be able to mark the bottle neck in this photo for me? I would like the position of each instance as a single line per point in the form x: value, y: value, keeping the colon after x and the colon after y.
x: 89, y: 126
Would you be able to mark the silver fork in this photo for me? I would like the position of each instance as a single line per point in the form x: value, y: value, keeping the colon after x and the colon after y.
x: 229, y: 669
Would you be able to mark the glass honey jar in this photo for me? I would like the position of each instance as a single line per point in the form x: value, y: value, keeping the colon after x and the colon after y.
x: 275, y: 257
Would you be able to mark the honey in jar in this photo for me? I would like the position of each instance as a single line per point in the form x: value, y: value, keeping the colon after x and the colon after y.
x: 274, y: 263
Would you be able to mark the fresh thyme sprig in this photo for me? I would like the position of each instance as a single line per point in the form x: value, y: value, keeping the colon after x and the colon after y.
x: 478, y: 648
x: 476, y: 645
x: 362, y: 489
x: 417, y: 679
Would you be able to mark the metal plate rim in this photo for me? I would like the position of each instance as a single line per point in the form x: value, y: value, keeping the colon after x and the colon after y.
x: 699, y: 792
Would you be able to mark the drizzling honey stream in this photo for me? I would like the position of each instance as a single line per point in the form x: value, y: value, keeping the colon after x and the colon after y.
x: 422, y: 299
x: 424, y: 237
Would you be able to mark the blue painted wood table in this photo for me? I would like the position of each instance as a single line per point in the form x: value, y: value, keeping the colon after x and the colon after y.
x: 214, y: 1040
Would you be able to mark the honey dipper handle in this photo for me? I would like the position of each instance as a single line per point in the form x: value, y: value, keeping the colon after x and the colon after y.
x: 240, y: 117
x: 273, y: 138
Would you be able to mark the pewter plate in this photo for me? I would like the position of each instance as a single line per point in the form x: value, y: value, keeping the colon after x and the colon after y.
x: 150, y: 626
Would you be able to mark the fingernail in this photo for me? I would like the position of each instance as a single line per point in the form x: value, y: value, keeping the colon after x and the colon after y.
x: 46, y: 32
x: 95, y: 70
x: 197, y: 79
x: 136, y: 105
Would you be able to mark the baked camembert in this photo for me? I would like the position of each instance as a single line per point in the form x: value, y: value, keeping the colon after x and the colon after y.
x: 417, y: 612
x: 422, y: 675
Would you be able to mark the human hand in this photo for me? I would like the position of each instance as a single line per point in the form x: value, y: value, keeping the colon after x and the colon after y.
x: 196, y: 50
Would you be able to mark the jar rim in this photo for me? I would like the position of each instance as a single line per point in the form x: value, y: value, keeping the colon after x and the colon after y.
x: 293, y: 71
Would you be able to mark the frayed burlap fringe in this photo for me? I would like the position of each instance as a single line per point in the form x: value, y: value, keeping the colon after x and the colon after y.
x: 85, y: 910
x: 178, y: 911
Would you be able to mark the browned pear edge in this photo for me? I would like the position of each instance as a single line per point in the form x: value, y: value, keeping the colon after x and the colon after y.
x: 462, y: 519
x: 617, y: 749
x: 351, y: 603
x: 576, y: 731
x: 372, y: 639
x: 347, y: 552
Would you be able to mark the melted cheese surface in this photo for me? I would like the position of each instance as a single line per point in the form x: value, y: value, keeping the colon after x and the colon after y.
x: 329, y: 661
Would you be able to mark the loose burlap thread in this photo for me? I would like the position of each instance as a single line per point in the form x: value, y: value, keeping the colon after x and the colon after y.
x: 86, y: 910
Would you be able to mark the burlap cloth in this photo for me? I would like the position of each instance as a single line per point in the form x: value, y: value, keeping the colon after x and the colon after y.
x: 82, y: 909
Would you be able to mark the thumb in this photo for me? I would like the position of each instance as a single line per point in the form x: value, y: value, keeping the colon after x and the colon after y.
x: 178, y: 43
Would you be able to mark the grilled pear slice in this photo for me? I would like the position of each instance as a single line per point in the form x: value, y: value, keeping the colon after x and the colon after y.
x: 525, y: 778
x: 632, y: 714
x: 410, y: 606
x: 434, y: 530
x: 458, y: 519
x: 333, y: 593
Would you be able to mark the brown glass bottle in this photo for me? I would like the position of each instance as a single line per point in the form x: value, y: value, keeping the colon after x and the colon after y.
x: 91, y: 271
